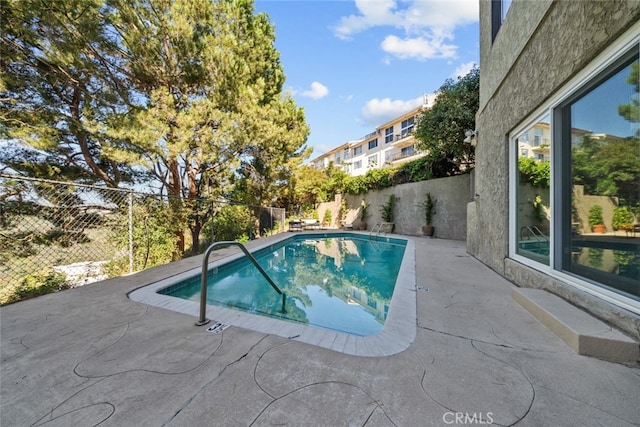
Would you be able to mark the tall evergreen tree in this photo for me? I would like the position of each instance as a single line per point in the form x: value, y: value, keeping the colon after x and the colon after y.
x: 182, y: 92
x: 60, y: 75
x: 265, y: 176
x: 210, y: 83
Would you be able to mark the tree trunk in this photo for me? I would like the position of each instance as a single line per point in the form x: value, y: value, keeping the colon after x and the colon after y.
x: 196, y: 228
x: 175, y: 202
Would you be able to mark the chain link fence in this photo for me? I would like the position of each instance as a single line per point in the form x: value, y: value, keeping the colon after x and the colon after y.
x: 55, y: 235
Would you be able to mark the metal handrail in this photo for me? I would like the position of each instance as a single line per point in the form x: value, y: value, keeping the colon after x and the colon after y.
x: 203, y: 280
x: 379, y: 225
x: 535, y: 232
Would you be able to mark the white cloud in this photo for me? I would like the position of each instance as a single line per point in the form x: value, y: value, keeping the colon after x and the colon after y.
x: 424, y: 25
x: 377, y: 111
x: 419, y: 48
x: 372, y: 13
x: 317, y: 91
x: 463, y: 69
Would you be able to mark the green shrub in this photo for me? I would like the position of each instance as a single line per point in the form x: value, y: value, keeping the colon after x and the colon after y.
x: 354, y: 185
x: 363, y: 214
x: 414, y: 171
x: 233, y: 222
x: 538, y: 210
x: 327, y: 217
x: 536, y: 173
x: 386, y: 212
x: 34, y: 285
x: 428, y: 204
x: 374, y: 179
x: 154, y: 238
x: 622, y: 218
x: 378, y: 179
x: 595, y: 215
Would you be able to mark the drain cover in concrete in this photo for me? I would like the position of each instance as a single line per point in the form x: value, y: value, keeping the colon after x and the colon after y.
x: 217, y: 328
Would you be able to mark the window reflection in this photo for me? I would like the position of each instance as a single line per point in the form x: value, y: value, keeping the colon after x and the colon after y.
x: 532, y: 192
x: 605, y: 182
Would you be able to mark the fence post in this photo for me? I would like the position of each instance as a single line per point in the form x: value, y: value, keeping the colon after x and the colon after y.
x: 131, y: 232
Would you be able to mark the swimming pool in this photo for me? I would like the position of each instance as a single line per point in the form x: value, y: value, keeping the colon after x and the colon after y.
x: 397, y: 312
x: 341, y: 282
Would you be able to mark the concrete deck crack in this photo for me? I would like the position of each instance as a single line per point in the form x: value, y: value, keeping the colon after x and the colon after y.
x: 75, y: 369
x: 255, y: 369
x: 589, y: 405
x: 424, y: 374
x: 124, y: 333
x: 112, y: 406
x: 204, y: 386
x: 533, y: 389
x: 50, y: 412
x: 373, y: 400
x: 509, y: 346
x: 25, y: 349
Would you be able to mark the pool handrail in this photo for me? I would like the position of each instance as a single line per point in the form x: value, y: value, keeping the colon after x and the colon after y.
x: 379, y: 225
x: 535, y: 232
x: 205, y: 269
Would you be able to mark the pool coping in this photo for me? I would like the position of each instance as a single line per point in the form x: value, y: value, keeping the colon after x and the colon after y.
x: 398, y: 333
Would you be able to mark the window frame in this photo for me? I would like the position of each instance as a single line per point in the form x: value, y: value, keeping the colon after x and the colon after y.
x: 592, y: 75
x: 407, y: 125
x: 388, y: 135
x: 408, y: 151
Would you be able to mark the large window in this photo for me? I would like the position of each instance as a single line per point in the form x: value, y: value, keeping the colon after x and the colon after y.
x: 373, y: 144
x: 599, y: 190
x: 407, y: 126
x: 357, y: 151
x: 388, y: 135
x: 576, y: 183
x: 532, y: 210
x: 407, y: 151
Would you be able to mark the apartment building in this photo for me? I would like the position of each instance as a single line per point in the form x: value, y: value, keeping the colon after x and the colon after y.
x: 391, y: 144
x: 558, y: 84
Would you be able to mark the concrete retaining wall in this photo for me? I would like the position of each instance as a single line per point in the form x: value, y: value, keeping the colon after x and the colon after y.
x: 450, y: 218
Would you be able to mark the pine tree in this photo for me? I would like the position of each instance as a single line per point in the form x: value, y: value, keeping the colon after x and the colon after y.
x: 180, y: 94
x: 210, y: 82
x: 59, y: 76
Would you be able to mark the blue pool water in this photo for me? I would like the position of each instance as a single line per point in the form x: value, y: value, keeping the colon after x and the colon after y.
x: 342, y: 282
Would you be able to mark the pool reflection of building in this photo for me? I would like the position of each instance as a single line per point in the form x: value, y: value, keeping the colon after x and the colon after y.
x: 339, y: 250
x: 336, y: 249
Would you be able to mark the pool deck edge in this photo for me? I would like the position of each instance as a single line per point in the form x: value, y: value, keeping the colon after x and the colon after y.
x: 398, y: 333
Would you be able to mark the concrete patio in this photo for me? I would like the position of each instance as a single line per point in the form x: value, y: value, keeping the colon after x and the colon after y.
x: 90, y: 356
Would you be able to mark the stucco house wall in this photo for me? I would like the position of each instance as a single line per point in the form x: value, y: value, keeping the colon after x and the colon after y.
x: 539, y: 47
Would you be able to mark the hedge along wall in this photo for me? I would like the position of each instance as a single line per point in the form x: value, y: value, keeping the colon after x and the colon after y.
x: 450, y: 218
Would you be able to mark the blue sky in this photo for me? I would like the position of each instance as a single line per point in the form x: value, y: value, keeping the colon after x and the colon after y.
x: 352, y: 65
